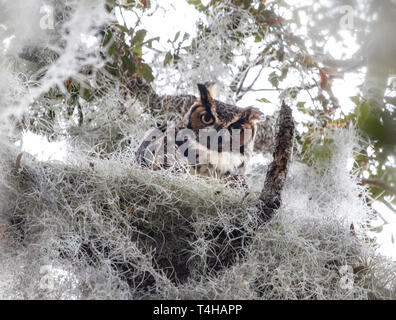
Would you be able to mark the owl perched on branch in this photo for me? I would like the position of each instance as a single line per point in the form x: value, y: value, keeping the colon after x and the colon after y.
x: 213, y: 139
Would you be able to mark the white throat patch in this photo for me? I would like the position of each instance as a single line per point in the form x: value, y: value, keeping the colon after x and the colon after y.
x: 225, y: 161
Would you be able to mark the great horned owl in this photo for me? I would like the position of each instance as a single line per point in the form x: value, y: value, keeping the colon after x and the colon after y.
x: 213, y: 139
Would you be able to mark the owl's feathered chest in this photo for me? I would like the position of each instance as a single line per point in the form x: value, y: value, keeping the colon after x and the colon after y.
x: 170, y: 151
x: 212, y: 162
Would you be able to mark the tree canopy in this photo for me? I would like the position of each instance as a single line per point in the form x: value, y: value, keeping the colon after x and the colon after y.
x: 99, y: 74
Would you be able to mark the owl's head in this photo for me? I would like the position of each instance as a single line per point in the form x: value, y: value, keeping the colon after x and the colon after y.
x: 225, y: 120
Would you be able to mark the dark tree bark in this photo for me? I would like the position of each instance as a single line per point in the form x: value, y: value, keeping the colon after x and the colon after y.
x: 229, y: 246
x: 270, y: 198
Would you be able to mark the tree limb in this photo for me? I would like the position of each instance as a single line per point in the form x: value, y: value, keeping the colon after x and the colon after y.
x: 156, y: 104
x: 227, y: 245
x: 270, y: 198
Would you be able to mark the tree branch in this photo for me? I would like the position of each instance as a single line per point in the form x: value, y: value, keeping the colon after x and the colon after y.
x: 270, y: 198
x: 227, y: 245
x: 156, y: 104
x: 380, y: 184
x: 389, y: 206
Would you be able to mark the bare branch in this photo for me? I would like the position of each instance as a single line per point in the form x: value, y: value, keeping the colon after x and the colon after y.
x: 389, y: 206
x: 270, y: 198
x: 155, y: 103
x: 380, y: 184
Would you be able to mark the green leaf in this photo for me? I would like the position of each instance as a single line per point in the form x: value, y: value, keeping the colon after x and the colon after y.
x: 112, y: 50
x: 108, y: 36
x: 274, y: 79
x: 293, y: 92
x: 264, y: 100
x: 139, y: 37
x: 176, y: 36
x: 257, y: 37
x: 301, y: 105
x: 168, y: 58
x: 197, y: 4
x: 146, y: 72
x: 378, y: 229
x: 128, y: 65
x: 149, y: 42
x: 363, y: 113
x: 355, y: 100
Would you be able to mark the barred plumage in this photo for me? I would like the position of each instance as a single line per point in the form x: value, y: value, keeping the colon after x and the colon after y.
x: 213, y: 139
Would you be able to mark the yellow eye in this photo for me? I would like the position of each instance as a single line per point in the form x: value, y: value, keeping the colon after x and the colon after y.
x: 206, y: 118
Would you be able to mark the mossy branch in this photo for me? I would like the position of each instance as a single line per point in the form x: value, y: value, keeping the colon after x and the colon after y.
x: 270, y: 198
x: 229, y: 246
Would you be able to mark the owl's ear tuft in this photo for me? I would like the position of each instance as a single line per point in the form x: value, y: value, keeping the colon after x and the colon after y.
x: 253, y: 113
x: 206, y: 93
x: 211, y: 86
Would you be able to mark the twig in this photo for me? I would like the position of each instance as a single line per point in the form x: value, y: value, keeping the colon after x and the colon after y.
x: 307, y: 87
x: 264, y: 89
x: 380, y: 184
x: 18, y: 162
x: 389, y: 205
x: 241, y: 94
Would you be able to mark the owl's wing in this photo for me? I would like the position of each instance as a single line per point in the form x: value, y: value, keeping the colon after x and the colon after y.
x: 140, y: 154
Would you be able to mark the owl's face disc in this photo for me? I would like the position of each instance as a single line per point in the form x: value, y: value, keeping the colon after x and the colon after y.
x: 222, y: 127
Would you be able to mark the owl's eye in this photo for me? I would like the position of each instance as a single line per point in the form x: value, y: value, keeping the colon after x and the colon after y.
x: 206, y: 118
